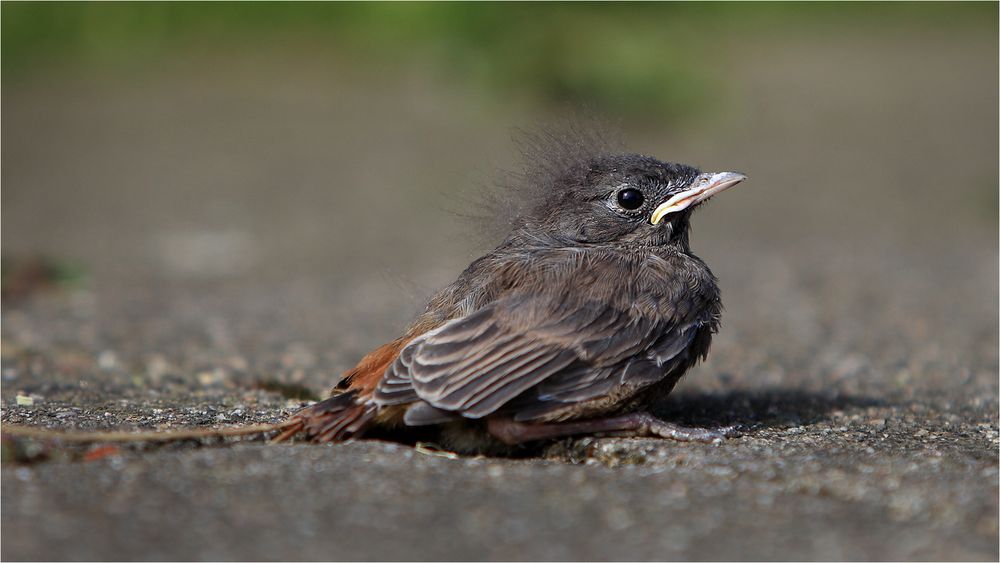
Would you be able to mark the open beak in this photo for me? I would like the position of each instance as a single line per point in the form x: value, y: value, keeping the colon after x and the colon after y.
x: 702, y: 188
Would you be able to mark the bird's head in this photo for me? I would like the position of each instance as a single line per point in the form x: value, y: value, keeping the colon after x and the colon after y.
x: 623, y: 199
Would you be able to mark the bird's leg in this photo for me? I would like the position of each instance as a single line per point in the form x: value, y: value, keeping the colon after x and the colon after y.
x: 639, y: 424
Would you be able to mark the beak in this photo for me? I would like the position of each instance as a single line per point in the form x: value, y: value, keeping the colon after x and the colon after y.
x: 702, y: 188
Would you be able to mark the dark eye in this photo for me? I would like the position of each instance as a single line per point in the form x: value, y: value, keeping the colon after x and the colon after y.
x: 630, y: 198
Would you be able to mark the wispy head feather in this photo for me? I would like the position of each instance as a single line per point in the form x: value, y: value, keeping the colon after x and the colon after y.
x: 552, y: 157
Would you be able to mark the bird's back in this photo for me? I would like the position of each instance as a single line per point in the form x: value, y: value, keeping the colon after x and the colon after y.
x: 555, y: 334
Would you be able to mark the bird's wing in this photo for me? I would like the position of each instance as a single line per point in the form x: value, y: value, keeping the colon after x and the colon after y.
x: 586, y: 382
x: 476, y: 364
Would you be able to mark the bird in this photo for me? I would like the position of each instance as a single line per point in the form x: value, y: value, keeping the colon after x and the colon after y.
x: 585, y: 315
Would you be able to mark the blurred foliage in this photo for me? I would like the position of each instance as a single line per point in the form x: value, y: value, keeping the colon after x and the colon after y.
x: 23, y: 276
x: 631, y: 59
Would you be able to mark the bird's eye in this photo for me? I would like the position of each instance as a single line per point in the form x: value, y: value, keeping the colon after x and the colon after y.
x: 630, y: 198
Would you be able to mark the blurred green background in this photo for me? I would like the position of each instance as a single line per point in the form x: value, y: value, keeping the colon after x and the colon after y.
x: 214, y: 140
x: 637, y: 60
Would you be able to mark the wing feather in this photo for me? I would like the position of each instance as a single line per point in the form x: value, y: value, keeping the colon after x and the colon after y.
x: 521, y: 354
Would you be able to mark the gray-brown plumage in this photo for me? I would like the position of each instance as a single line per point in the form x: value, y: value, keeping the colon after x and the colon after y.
x: 591, y: 308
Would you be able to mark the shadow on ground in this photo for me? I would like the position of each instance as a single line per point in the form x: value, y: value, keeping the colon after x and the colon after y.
x: 765, y: 408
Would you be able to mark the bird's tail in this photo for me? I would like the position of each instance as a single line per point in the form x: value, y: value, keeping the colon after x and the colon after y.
x: 338, y: 418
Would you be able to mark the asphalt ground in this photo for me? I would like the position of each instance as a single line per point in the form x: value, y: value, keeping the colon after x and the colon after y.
x: 244, y: 232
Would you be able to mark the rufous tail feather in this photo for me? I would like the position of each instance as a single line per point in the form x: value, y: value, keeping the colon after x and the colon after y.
x: 338, y: 418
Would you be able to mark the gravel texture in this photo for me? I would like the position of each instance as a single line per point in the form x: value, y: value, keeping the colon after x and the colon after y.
x: 231, y: 277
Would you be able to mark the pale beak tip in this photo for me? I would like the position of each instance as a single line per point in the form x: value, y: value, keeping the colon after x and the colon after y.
x: 703, y: 188
x: 734, y: 177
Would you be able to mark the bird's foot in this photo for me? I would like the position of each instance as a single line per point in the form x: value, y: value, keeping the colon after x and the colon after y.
x: 648, y: 425
x: 634, y: 425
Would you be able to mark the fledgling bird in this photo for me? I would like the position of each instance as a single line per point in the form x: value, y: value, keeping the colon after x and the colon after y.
x: 587, y: 313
